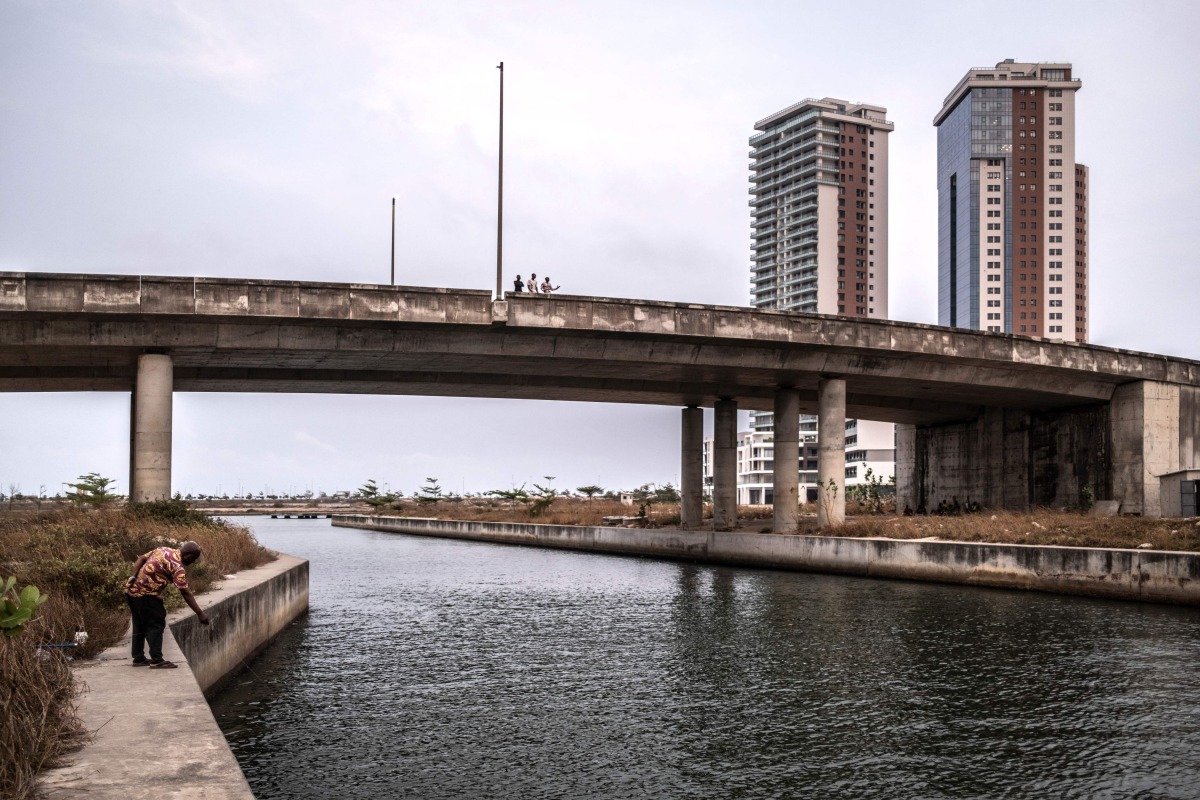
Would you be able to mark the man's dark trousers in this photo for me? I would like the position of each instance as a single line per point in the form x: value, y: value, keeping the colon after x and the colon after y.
x: 149, y: 621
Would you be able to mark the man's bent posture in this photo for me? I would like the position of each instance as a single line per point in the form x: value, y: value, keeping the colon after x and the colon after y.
x: 143, y: 592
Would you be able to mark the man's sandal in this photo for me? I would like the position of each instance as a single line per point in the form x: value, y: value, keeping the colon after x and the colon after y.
x: 163, y: 665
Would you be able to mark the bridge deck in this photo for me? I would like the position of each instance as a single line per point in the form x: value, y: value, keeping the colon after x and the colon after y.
x: 61, y: 332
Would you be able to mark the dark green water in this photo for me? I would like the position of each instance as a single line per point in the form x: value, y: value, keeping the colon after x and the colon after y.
x: 432, y: 668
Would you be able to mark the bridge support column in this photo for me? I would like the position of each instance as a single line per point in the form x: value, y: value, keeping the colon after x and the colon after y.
x: 786, y: 476
x: 1155, y: 431
x: 831, y: 452
x: 691, y: 469
x: 725, y: 465
x: 150, y: 453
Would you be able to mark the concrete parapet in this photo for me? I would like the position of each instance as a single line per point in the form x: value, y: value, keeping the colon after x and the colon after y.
x: 154, y: 733
x: 1148, y: 576
x: 249, y: 610
x: 145, y: 294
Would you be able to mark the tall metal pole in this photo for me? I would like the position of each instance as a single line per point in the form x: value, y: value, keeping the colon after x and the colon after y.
x: 393, y: 241
x: 500, y: 198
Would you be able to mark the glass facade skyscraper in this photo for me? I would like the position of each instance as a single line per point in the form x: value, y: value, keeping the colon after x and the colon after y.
x: 1012, y: 204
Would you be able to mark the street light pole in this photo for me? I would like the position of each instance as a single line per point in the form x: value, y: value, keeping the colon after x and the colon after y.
x: 393, y: 241
x: 500, y: 197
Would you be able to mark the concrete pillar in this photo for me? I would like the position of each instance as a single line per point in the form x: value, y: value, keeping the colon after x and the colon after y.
x: 725, y: 465
x: 151, y: 451
x: 691, y: 469
x: 831, y: 452
x: 786, y: 476
x: 907, y: 480
x: 132, y: 431
x: 1146, y: 443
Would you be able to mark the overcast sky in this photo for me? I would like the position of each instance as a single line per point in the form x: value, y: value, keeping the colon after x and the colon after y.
x: 266, y: 140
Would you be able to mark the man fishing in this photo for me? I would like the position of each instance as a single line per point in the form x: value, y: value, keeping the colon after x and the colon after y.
x: 143, y: 593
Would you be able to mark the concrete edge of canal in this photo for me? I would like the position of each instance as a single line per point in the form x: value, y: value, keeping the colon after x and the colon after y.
x: 154, y: 733
x: 1152, y: 576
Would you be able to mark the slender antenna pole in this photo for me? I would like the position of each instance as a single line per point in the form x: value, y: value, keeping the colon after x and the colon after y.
x: 500, y: 198
x: 393, y: 241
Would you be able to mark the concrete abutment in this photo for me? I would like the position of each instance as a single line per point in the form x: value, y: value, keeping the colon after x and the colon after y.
x: 1016, y: 459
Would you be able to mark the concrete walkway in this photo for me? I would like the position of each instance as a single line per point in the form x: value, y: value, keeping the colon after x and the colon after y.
x: 154, y: 735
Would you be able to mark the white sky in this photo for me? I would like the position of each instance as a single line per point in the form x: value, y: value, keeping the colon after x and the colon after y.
x: 266, y: 140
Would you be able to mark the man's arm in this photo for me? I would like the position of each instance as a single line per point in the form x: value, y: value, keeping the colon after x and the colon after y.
x: 191, y: 601
x: 137, y: 567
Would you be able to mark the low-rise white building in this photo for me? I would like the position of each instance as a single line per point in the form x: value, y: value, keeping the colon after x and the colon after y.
x: 870, y: 446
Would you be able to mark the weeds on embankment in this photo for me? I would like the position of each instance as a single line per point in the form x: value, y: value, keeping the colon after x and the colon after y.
x: 82, y: 559
x: 1038, y: 527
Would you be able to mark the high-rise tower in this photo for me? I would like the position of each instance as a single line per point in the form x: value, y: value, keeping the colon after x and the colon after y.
x: 1012, y: 204
x: 819, y: 209
x: 819, y: 219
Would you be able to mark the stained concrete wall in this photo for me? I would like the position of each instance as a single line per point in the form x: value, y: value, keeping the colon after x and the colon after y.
x: 1156, y: 432
x: 1008, y: 459
x: 155, y: 735
x: 248, y: 610
x: 1150, y: 576
x: 1171, y: 490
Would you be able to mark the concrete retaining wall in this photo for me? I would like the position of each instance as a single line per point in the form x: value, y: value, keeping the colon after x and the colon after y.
x: 249, y: 610
x: 155, y: 735
x: 1144, y: 575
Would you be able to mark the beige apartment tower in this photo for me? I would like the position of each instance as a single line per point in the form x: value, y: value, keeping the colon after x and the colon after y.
x: 1012, y: 204
x: 819, y: 242
x: 819, y: 194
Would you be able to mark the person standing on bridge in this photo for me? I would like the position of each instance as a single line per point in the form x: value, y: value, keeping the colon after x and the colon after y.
x: 143, y: 594
x: 533, y: 284
x: 547, y: 288
x: 518, y: 285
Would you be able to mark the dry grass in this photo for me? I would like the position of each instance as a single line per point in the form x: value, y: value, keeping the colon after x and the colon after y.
x: 1040, y: 527
x: 37, y: 711
x: 564, y: 511
x: 81, y: 560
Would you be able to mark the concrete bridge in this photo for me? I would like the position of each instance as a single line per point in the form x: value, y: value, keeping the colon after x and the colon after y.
x: 1008, y: 421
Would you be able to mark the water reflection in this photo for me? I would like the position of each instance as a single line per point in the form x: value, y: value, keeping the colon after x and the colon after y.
x: 433, y: 668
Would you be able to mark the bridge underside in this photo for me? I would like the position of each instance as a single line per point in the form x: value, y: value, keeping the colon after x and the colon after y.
x: 499, y: 362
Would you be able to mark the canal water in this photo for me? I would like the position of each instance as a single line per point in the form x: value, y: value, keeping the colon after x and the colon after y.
x: 432, y: 668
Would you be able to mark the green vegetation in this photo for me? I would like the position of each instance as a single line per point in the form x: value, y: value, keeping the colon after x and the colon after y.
x: 870, y: 493
x: 80, y: 557
x: 371, y: 495
x: 91, y: 490
x: 16, y: 608
x: 590, y: 491
x: 511, y: 496
x: 431, y: 493
x: 542, y: 499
